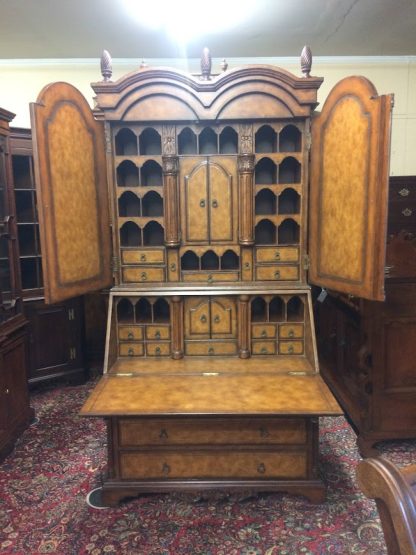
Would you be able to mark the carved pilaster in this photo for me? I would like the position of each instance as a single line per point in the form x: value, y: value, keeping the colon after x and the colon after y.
x: 171, y: 200
x: 244, y: 326
x: 177, y: 327
x: 245, y: 166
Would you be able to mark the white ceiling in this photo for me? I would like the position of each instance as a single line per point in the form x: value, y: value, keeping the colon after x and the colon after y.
x: 278, y: 28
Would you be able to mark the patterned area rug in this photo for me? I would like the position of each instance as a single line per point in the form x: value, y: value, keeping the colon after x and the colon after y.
x: 61, y: 458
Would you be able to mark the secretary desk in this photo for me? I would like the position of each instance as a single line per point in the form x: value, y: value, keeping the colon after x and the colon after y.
x: 206, y: 201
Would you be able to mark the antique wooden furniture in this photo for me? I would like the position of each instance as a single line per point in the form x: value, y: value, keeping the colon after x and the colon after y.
x: 15, y: 411
x: 211, y: 374
x: 394, y: 490
x: 55, y: 331
x: 366, y: 348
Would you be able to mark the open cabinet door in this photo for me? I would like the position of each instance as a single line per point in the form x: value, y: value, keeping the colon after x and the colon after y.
x: 70, y: 168
x: 349, y: 190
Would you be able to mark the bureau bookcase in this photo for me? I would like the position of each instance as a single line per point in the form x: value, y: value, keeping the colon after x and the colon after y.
x: 190, y: 194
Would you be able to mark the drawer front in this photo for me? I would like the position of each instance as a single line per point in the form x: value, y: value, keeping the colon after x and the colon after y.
x: 291, y: 347
x: 216, y: 431
x: 263, y: 348
x: 290, y: 331
x: 158, y: 332
x: 143, y: 275
x: 201, y: 464
x: 131, y: 349
x: 158, y: 349
x: 210, y: 277
x: 151, y: 256
x: 203, y: 348
x: 263, y: 331
x: 278, y: 273
x: 130, y: 333
x: 277, y: 254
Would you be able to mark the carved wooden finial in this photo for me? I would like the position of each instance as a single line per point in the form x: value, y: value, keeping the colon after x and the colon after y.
x: 206, y: 65
x: 306, y: 61
x: 224, y: 65
x: 106, y: 69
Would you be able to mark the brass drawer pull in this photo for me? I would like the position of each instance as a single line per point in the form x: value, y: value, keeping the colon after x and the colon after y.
x: 264, y: 432
x: 143, y: 257
x: 277, y: 274
x: 263, y: 351
x: 165, y: 469
x: 158, y: 351
x: 130, y: 335
x: 163, y: 434
x: 277, y: 255
x: 291, y: 349
x: 404, y: 192
x: 210, y: 279
x: 130, y: 352
x: 143, y: 276
x: 157, y: 334
x: 264, y: 333
x: 261, y: 469
x: 211, y: 351
x: 202, y: 203
x: 247, y: 265
x: 203, y: 319
x: 214, y: 204
x: 291, y: 333
x: 217, y: 319
x: 407, y: 212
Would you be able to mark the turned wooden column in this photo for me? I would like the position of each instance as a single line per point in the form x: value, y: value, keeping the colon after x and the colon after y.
x: 171, y: 200
x: 177, y: 327
x: 246, y: 199
x: 244, y: 326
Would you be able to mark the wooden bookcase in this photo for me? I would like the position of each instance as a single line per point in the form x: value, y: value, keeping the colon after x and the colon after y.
x: 15, y: 410
x: 216, y: 219
x: 56, y: 348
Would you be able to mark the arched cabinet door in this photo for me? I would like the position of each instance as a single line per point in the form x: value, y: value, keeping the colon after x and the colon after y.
x: 349, y: 188
x: 70, y: 168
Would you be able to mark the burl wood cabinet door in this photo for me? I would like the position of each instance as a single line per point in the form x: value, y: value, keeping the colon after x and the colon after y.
x: 348, y: 190
x: 208, y: 206
x: 70, y: 169
x: 197, y: 318
x: 223, y: 317
x: 210, y: 318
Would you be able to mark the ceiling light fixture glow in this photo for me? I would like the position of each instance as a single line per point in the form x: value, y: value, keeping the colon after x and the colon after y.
x: 184, y: 20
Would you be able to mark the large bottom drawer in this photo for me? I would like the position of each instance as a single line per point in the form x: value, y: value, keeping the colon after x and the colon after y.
x: 200, y: 464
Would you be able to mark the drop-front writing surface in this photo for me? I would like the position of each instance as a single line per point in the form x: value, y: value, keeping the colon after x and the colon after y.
x: 208, y: 190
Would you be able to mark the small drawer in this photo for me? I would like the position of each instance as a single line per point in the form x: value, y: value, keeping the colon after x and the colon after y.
x: 158, y: 349
x: 210, y: 277
x: 291, y: 347
x: 205, y: 464
x: 290, y: 331
x: 263, y: 348
x: 210, y: 348
x: 263, y: 331
x: 213, y: 431
x: 151, y: 256
x: 277, y: 254
x: 131, y: 349
x: 130, y: 333
x: 141, y: 275
x: 158, y: 332
x: 278, y: 273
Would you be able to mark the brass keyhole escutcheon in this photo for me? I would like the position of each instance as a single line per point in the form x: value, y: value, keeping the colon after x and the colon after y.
x: 264, y: 333
x: 143, y: 276
x: 165, y: 469
x: 261, y: 469
x: 203, y: 319
x: 163, y: 434
x: 291, y: 349
x: 217, y: 319
x: 173, y: 267
x: 277, y: 274
x: 157, y: 334
x: 130, y: 352
x: 263, y: 351
x: 130, y: 335
x: 277, y: 255
x: 210, y: 279
x: 158, y: 351
x: 202, y: 203
x: 211, y: 351
x: 143, y: 257
x: 214, y: 204
x: 247, y: 265
x: 291, y: 333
